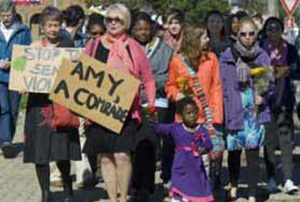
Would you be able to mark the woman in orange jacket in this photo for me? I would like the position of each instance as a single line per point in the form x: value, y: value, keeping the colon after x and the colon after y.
x: 195, y: 60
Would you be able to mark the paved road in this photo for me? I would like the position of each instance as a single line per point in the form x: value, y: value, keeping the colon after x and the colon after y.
x: 18, y: 182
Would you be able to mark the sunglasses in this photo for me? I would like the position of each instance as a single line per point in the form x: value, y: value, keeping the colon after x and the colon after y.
x: 244, y: 34
x: 111, y: 20
x: 274, y: 29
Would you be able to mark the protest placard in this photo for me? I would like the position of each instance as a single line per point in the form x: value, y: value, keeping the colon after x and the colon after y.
x: 92, y: 89
x: 34, y: 68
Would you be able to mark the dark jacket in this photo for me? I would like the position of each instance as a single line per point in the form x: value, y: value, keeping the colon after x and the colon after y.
x: 286, y: 96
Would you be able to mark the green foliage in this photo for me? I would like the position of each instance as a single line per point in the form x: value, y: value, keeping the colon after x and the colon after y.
x: 195, y: 10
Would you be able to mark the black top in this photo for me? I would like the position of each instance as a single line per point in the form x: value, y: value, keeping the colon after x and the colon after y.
x: 65, y: 42
x: 102, y: 53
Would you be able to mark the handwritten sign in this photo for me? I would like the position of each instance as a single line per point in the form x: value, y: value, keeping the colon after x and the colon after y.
x: 34, y: 68
x: 95, y: 91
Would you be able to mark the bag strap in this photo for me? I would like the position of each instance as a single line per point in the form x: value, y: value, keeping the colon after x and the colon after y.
x: 201, y: 95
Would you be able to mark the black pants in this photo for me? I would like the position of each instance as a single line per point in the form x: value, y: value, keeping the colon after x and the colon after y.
x: 280, y: 132
x: 234, y: 166
x: 144, y: 158
x: 168, y: 148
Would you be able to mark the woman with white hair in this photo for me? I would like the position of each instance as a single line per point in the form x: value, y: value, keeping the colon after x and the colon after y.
x: 120, y: 52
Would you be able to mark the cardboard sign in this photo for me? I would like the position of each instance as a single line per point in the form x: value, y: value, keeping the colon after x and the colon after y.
x: 290, y: 6
x: 95, y: 91
x: 34, y: 68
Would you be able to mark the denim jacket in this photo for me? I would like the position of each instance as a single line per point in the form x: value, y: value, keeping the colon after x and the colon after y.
x: 21, y: 35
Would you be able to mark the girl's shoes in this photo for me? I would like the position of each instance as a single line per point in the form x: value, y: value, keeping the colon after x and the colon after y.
x: 232, y: 194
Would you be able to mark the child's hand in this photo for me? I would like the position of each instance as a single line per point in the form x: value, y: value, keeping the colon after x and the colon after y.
x: 201, y: 150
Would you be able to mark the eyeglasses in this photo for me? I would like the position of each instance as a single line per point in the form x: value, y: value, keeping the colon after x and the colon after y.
x: 244, y: 34
x: 111, y: 20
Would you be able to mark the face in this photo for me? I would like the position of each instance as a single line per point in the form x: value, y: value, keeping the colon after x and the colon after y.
x: 204, y: 39
x: 247, y: 35
x: 214, y: 24
x: 175, y: 27
x: 190, y: 115
x: 96, y: 30
x: 273, y: 31
x: 235, y: 25
x: 51, y: 29
x: 7, y: 18
x: 142, y: 31
x: 114, y: 25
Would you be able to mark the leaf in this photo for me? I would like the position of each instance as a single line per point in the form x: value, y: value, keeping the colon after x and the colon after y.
x: 20, y: 63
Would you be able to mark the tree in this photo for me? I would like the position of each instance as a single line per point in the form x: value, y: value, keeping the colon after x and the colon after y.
x: 195, y: 10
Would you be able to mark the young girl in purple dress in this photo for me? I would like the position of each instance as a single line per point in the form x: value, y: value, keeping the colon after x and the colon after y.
x: 189, y: 182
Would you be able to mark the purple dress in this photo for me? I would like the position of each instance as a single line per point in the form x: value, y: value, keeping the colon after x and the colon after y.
x: 189, y: 179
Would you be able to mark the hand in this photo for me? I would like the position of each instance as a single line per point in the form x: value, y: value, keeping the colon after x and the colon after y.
x: 152, y: 118
x: 23, y: 91
x: 281, y: 72
x: 4, y: 64
x: 179, y: 96
x: 258, y: 100
x: 201, y: 150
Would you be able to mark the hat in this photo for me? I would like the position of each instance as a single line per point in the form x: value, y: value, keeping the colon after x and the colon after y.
x: 7, y: 5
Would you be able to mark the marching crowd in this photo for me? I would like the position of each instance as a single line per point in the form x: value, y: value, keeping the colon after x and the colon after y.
x: 223, y: 83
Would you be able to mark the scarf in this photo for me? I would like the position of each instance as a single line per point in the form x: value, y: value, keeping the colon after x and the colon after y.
x: 200, y: 95
x: 172, y: 42
x: 246, y: 54
x: 151, y: 47
x: 119, y: 55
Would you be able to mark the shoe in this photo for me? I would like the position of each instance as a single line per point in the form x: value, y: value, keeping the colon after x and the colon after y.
x: 8, y: 150
x: 271, y: 186
x: 141, y: 196
x: 232, y: 194
x: 251, y: 199
x: 289, y: 187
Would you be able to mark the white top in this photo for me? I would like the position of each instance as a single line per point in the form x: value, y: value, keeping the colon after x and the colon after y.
x: 7, y: 32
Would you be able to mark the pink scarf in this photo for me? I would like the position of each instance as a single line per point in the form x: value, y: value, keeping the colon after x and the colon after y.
x: 127, y: 55
x: 172, y: 42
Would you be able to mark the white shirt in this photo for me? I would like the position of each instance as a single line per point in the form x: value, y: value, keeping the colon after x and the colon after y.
x: 7, y: 32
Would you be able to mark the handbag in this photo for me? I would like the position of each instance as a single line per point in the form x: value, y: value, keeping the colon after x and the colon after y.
x: 63, y: 118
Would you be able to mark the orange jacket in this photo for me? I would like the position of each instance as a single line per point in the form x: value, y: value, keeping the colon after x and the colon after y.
x: 210, y: 80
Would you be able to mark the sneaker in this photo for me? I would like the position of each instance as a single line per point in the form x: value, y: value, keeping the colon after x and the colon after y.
x: 251, y: 199
x: 8, y: 150
x: 289, y: 187
x: 271, y: 186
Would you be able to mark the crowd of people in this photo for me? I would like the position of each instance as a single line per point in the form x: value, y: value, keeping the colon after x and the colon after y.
x: 223, y: 83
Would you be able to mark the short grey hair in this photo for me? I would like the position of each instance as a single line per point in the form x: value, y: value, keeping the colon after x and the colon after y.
x: 122, y: 12
x: 7, y: 6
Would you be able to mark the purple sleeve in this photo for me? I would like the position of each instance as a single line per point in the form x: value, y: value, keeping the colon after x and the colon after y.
x: 164, y: 129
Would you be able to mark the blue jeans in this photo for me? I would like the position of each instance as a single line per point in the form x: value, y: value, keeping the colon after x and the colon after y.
x: 9, y: 103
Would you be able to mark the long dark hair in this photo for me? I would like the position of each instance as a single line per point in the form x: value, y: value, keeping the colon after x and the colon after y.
x: 218, y: 13
x: 268, y: 21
